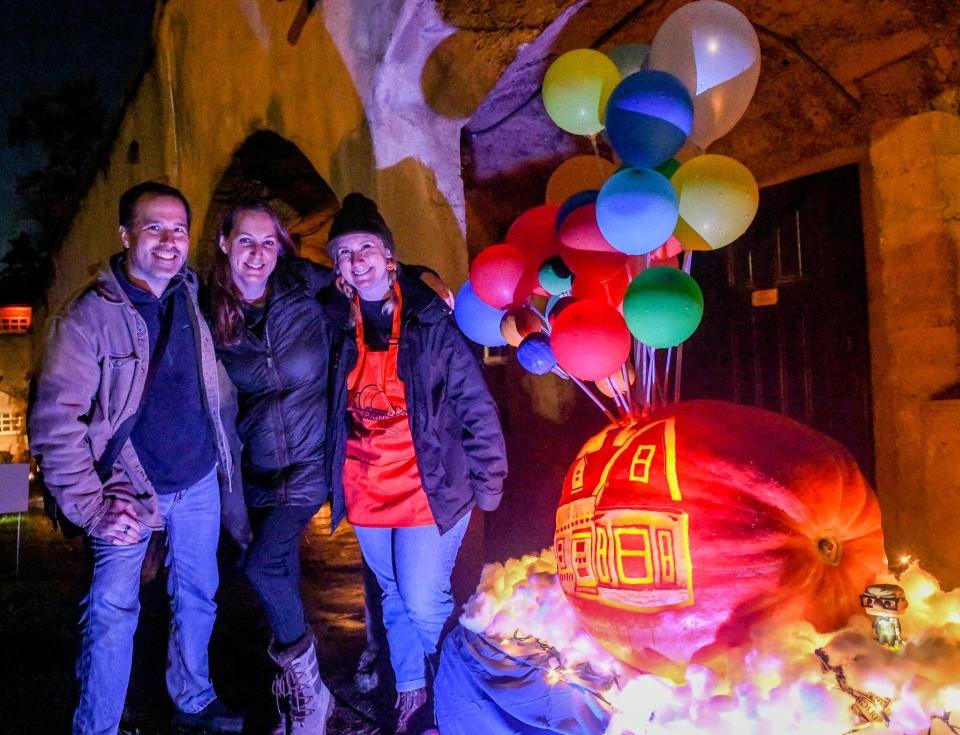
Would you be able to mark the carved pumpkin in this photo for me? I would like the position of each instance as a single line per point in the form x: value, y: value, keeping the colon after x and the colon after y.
x: 675, y: 535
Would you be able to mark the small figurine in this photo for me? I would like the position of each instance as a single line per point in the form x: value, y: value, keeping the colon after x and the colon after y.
x: 884, y: 603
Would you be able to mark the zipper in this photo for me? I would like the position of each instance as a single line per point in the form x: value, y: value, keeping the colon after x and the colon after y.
x: 278, y: 386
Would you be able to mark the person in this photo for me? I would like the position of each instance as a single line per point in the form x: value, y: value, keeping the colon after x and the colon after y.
x: 124, y: 424
x: 272, y: 340
x: 416, y: 440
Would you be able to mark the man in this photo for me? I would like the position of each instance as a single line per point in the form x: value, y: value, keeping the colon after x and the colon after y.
x: 133, y: 347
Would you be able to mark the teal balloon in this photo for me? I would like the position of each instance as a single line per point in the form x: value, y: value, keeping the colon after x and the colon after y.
x: 555, y: 277
x: 637, y: 210
x: 629, y: 58
x: 478, y: 320
x: 663, y: 307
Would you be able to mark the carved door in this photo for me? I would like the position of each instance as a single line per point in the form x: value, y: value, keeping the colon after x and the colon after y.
x: 785, y: 316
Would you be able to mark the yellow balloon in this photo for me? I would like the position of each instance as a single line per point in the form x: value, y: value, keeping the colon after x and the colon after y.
x: 576, y: 89
x: 718, y: 201
x: 577, y: 174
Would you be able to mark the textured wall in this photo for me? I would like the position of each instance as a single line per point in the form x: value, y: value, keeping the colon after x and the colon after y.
x: 913, y: 279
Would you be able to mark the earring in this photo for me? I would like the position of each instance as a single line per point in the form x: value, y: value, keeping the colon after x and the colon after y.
x: 391, y: 265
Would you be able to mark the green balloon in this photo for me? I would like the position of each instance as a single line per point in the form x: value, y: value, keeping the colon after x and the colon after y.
x: 662, y: 307
x: 669, y: 168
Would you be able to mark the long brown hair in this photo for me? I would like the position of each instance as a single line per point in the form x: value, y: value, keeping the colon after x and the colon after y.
x: 226, y: 301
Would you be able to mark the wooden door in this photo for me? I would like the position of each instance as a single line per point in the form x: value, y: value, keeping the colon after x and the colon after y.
x: 785, y: 315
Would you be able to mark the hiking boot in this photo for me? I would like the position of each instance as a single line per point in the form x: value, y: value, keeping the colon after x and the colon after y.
x: 414, y: 713
x: 308, y: 702
x: 215, y: 717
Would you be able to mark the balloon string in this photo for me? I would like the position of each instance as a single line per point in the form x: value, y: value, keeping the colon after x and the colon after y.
x: 596, y: 154
x: 618, y: 398
x: 544, y: 323
x: 593, y: 398
x: 666, y: 375
x: 678, y: 369
x: 627, y: 387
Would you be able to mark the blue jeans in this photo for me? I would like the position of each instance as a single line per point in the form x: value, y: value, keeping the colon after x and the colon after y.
x: 112, y: 607
x: 413, y: 567
x: 273, y: 567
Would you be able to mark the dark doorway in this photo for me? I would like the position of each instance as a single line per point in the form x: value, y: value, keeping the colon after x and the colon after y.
x: 785, y: 317
x: 269, y: 167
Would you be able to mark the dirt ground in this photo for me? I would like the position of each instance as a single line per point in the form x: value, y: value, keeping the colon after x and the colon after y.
x: 39, y: 609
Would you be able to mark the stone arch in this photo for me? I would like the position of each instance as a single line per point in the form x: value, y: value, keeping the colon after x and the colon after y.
x: 268, y: 166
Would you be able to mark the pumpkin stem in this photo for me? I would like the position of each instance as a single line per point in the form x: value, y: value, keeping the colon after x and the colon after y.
x: 830, y: 550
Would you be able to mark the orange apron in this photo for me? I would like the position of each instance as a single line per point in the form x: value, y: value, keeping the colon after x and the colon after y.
x: 381, y: 481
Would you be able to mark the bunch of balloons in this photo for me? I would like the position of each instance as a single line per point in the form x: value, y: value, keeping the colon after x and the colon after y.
x: 604, y: 246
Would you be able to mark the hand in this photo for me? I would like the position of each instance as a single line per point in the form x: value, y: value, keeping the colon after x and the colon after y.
x: 119, y: 524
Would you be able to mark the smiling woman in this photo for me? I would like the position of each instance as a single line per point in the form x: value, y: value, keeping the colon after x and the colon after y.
x: 273, y: 344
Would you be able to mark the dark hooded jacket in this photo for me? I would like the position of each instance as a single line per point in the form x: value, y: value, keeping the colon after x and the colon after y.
x: 280, y: 369
x: 453, y: 419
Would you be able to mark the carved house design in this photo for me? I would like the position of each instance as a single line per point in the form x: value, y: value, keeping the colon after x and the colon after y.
x: 622, y: 536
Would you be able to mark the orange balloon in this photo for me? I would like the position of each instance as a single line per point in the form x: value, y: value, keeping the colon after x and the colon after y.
x: 604, y: 387
x: 580, y: 173
x: 517, y: 323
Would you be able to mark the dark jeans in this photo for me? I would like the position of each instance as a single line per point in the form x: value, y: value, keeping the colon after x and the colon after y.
x: 273, y: 566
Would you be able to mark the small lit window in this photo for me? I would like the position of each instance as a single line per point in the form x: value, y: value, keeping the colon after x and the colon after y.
x: 15, y: 319
x: 11, y: 423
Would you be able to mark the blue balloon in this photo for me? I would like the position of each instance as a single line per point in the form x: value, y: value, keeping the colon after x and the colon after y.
x: 479, y: 321
x: 649, y: 116
x: 637, y: 210
x: 578, y: 200
x: 536, y: 355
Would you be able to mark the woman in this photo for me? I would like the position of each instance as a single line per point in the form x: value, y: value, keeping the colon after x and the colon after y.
x: 416, y: 441
x: 273, y: 342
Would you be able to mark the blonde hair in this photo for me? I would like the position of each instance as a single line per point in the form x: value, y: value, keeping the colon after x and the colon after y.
x: 350, y: 292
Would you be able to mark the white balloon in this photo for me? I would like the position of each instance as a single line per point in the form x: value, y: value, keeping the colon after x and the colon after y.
x: 712, y: 48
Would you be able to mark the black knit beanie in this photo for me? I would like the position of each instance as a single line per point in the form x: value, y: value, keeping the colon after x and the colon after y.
x: 358, y: 214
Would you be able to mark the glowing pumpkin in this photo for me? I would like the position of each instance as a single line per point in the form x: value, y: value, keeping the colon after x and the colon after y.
x: 676, y: 534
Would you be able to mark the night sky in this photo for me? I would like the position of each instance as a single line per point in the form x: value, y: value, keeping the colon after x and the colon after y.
x: 48, y: 42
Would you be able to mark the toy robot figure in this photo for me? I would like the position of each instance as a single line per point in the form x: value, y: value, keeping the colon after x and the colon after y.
x: 884, y: 603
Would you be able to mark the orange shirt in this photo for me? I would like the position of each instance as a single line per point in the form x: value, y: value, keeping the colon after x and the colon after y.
x: 381, y: 481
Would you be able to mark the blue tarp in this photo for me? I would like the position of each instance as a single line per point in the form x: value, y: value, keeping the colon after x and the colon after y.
x: 483, y: 690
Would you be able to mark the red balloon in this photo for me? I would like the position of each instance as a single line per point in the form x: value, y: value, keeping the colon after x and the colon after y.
x: 497, y: 276
x: 670, y: 249
x: 585, y: 251
x: 609, y: 292
x: 590, y: 340
x: 535, y: 234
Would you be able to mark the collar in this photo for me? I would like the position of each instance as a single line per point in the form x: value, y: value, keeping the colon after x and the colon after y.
x: 108, y: 287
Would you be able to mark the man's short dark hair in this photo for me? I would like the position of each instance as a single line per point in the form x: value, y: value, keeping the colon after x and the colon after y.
x: 129, y: 199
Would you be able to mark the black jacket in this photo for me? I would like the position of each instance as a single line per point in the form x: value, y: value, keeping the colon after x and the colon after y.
x: 453, y: 419
x: 281, y: 381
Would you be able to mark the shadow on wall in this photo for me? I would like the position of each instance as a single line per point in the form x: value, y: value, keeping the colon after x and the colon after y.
x: 270, y: 167
x: 455, y: 78
x: 426, y: 233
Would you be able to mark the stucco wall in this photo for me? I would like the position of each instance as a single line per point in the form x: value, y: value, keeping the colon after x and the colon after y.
x: 912, y: 274
x: 226, y: 70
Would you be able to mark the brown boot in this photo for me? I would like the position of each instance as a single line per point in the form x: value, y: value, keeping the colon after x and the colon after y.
x: 413, y: 712
x: 309, y: 702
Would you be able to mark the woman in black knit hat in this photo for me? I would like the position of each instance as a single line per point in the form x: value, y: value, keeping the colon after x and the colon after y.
x: 414, y: 442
